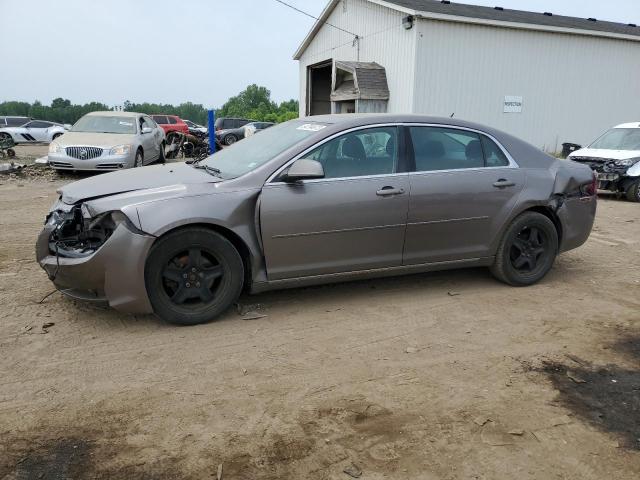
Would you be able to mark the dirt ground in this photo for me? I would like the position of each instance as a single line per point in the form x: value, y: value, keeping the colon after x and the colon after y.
x: 446, y: 375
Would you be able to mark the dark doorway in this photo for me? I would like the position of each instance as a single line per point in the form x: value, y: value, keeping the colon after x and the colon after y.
x: 319, y: 89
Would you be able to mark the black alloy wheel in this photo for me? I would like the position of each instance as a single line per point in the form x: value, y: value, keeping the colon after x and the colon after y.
x: 193, y: 275
x: 527, y: 251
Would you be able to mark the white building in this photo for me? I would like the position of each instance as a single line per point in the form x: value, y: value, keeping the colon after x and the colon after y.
x: 546, y: 78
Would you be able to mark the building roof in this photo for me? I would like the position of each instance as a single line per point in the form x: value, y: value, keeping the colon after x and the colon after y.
x: 458, y: 12
x: 370, y: 82
x: 517, y: 16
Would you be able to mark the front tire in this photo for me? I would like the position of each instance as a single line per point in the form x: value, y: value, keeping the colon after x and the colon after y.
x: 56, y: 136
x: 527, y: 251
x: 633, y: 192
x: 139, y: 160
x: 192, y: 276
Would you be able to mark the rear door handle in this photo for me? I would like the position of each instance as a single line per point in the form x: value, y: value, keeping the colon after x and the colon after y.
x: 502, y: 183
x: 389, y: 192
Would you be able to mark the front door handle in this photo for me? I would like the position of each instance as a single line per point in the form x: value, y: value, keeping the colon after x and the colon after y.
x: 502, y: 183
x: 389, y: 192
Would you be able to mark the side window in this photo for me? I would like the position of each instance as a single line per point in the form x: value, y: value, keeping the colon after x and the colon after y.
x: 437, y: 148
x: 160, y: 119
x: 172, y: 120
x: 16, y: 122
x: 372, y: 151
x: 227, y: 124
x: 149, y: 123
x: 38, y: 124
x: 493, y: 155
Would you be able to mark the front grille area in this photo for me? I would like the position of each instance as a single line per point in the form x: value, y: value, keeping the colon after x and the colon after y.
x: 84, y: 153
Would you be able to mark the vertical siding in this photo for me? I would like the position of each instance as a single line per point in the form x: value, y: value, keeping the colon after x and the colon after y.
x: 385, y: 42
x: 574, y: 87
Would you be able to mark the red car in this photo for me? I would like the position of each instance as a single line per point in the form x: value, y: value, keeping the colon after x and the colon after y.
x: 171, y: 123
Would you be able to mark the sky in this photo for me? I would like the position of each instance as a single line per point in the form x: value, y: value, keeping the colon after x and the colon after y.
x: 174, y: 51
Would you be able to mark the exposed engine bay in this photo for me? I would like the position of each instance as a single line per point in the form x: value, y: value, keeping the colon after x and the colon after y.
x: 77, y: 235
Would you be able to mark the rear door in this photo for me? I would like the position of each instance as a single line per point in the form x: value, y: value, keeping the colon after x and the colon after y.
x: 353, y: 219
x: 462, y: 191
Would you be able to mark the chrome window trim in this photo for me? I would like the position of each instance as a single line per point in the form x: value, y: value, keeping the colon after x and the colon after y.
x: 512, y: 162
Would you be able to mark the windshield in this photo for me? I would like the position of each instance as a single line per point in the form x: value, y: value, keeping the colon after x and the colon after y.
x: 255, y: 151
x: 106, y: 124
x: 619, y: 139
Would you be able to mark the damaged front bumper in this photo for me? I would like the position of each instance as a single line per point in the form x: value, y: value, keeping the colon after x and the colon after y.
x: 111, y: 272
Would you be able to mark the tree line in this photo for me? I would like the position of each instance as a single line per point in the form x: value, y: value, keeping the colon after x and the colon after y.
x: 253, y: 103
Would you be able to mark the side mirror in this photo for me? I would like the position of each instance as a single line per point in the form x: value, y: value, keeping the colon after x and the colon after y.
x: 146, y: 130
x: 304, y: 169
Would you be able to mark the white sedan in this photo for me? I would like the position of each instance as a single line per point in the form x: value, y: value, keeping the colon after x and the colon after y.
x: 34, y: 131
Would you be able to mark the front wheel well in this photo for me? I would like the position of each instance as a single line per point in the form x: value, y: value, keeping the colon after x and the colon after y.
x: 230, y: 235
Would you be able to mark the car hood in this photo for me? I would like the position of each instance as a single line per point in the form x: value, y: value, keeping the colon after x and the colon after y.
x: 145, y: 178
x: 86, y: 139
x: 608, y: 154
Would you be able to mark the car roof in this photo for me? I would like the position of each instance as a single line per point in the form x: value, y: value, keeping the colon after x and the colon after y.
x: 360, y: 119
x: 628, y: 125
x: 111, y: 113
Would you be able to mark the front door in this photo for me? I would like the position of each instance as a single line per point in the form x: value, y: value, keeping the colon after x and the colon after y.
x: 36, y: 131
x: 353, y: 219
x: 150, y: 141
x: 462, y: 192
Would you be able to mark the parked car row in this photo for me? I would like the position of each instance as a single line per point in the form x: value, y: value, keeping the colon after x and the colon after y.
x: 231, y: 130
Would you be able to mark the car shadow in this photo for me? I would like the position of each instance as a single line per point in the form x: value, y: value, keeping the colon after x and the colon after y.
x: 605, y: 396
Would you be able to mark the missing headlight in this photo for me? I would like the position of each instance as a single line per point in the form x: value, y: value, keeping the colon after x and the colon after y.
x: 76, y: 236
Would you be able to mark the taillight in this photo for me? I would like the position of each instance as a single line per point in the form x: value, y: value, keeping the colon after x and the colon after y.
x: 590, y: 189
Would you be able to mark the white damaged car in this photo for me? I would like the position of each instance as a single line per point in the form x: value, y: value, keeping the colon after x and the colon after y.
x: 615, y: 158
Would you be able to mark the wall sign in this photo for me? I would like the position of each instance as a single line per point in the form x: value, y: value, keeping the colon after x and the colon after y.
x: 512, y: 104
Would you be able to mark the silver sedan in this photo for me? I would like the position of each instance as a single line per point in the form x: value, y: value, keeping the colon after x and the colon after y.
x: 108, y: 141
x: 316, y: 200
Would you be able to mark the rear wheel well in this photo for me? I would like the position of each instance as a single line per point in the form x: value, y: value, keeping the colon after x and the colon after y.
x: 230, y: 235
x: 551, y: 215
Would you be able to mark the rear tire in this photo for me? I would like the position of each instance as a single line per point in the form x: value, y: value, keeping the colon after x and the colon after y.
x: 192, y: 276
x: 56, y: 136
x: 527, y: 251
x: 230, y: 140
x: 633, y: 192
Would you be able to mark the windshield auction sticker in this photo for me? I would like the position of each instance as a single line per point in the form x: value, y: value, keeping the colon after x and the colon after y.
x: 311, y: 127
